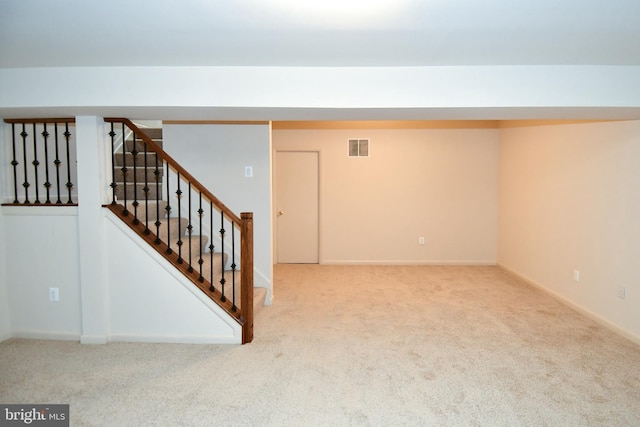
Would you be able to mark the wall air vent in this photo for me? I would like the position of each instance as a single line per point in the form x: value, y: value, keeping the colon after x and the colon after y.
x: 358, y: 147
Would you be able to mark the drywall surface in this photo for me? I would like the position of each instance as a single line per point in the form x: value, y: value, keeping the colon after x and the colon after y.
x: 323, y: 93
x: 43, y: 254
x: 5, y: 325
x: 149, y: 301
x: 216, y: 155
x: 569, y: 202
x: 440, y: 184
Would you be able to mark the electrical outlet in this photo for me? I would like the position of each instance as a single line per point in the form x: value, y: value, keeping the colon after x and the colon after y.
x: 421, y: 240
x: 54, y: 294
x: 248, y: 171
x: 622, y: 292
x: 576, y: 275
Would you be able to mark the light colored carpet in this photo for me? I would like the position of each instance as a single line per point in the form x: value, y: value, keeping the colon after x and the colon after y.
x: 381, y: 345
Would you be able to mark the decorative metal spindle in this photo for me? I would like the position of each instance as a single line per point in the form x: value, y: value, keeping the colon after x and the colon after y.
x: 14, y: 163
x: 69, y: 185
x: 134, y: 154
x: 25, y: 184
x: 200, y: 260
x: 168, y: 209
x: 35, y: 164
x: 233, y: 266
x: 47, y: 184
x: 57, y: 163
x: 113, y: 184
x: 145, y: 189
x: 211, y: 247
x: 156, y: 172
x: 189, y: 229
x: 179, y: 197
x: 124, y: 170
x: 222, y: 280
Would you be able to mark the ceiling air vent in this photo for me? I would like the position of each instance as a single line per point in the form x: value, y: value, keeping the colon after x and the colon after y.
x: 358, y: 148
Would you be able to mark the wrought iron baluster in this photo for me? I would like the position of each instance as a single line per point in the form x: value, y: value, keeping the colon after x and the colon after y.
x: 57, y: 162
x: 69, y: 184
x: 168, y: 209
x: 25, y: 184
x: 124, y: 170
x: 35, y: 164
x: 156, y: 172
x: 200, y: 260
x: 222, y: 279
x: 47, y: 184
x: 145, y: 190
x: 179, y: 197
x: 189, y: 230
x: 113, y: 184
x: 211, y: 247
x: 233, y: 266
x: 14, y: 163
x: 134, y: 160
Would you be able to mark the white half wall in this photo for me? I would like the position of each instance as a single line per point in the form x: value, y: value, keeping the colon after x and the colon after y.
x: 151, y: 302
x: 440, y: 184
x: 569, y: 201
x: 216, y: 155
x: 5, y: 325
x: 43, y: 254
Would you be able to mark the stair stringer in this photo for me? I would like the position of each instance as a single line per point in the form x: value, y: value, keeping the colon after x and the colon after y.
x: 168, y: 311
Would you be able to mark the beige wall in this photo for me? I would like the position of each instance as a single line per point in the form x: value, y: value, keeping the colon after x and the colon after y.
x: 436, y: 183
x: 570, y: 200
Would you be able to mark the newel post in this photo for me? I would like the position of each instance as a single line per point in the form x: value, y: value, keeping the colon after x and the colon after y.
x: 246, y: 281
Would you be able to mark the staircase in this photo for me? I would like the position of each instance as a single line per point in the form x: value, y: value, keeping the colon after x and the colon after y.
x: 125, y: 158
x: 144, y: 175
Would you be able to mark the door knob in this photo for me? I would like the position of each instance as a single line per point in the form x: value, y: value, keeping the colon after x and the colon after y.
x: 280, y: 213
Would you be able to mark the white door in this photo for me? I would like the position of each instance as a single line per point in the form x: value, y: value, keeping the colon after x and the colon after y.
x: 297, y: 207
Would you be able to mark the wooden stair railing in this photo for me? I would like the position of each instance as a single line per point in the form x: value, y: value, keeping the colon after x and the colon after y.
x: 158, y: 183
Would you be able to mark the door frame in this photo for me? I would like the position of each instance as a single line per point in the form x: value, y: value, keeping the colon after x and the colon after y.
x: 274, y: 203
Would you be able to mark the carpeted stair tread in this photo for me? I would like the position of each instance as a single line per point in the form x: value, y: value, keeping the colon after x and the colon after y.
x: 128, y: 159
x: 176, y: 228
x: 259, y: 294
x: 140, y: 171
x: 153, y: 133
x: 155, y: 192
x: 195, y: 248
x: 142, y: 208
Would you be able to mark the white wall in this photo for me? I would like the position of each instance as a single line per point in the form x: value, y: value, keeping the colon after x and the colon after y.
x: 41, y: 251
x: 436, y: 183
x: 323, y: 93
x: 5, y: 325
x: 216, y: 156
x: 150, y: 301
x: 569, y: 200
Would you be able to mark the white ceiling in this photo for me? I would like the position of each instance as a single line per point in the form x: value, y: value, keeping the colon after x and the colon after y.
x: 45, y: 33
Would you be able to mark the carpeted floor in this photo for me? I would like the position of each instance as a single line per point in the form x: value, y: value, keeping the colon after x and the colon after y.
x: 343, y: 346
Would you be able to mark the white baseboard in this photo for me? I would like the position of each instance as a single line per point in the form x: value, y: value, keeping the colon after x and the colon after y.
x: 406, y: 262
x: 590, y: 314
x: 93, y: 339
x: 174, y: 339
x: 44, y: 335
